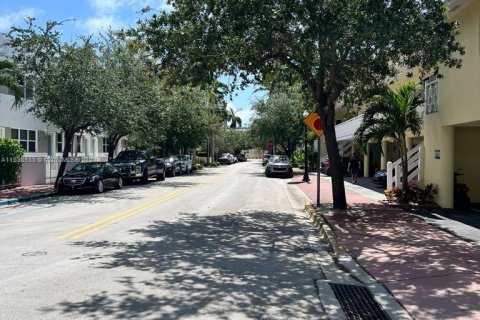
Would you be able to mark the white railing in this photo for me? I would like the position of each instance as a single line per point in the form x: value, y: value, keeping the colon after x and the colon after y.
x: 415, y: 165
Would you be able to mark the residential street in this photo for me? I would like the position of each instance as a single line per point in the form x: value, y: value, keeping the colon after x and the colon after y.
x: 225, y: 243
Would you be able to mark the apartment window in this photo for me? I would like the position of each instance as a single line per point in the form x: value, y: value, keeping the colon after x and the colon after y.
x: 431, y: 95
x: 105, y: 145
x: 27, y: 138
x: 59, y: 142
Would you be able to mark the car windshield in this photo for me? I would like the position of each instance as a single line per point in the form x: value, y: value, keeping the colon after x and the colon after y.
x: 225, y: 155
x: 168, y: 159
x: 183, y: 158
x: 281, y: 159
x: 89, y: 167
x: 131, y: 154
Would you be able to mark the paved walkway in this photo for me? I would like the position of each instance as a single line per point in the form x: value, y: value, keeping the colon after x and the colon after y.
x: 434, y: 274
x: 25, y: 192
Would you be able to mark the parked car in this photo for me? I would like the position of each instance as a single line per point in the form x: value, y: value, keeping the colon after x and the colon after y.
x: 226, y: 158
x: 380, y: 178
x: 325, y: 166
x: 265, y: 159
x: 241, y: 157
x: 96, y: 176
x: 279, y: 165
x: 173, y: 166
x: 186, y: 163
x: 139, y: 165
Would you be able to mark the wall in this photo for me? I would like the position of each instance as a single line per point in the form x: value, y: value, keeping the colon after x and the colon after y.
x: 467, y: 159
x: 459, y: 90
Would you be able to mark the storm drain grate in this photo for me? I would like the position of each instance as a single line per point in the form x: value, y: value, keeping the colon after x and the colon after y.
x: 358, y: 303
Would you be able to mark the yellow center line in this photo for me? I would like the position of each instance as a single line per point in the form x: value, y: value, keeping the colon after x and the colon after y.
x: 124, y: 214
x: 77, y: 236
x: 103, y: 223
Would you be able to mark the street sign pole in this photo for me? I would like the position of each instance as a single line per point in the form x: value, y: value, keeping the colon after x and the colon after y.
x: 318, y: 171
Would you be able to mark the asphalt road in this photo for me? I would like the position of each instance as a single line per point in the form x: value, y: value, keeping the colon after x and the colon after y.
x: 224, y: 243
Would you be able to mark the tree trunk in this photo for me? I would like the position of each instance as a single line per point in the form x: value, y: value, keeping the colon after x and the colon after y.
x: 66, y: 149
x: 336, y: 170
x: 112, y: 145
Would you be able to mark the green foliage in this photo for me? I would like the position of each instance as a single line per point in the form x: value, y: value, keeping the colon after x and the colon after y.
x: 10, y: 160
x: 392, y: 115
x: 279, y: 119
x: 420, y: 196
x: 65, y: 76
x: 8, y: 79
x: 232, y: 141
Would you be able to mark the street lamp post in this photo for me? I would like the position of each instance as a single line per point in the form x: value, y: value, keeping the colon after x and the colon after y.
x: 305, y: 174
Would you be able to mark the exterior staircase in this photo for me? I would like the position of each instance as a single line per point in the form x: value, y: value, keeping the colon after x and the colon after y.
x: 415, y: 168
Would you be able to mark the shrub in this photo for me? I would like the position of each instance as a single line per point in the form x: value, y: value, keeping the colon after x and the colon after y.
x: 10, y: 160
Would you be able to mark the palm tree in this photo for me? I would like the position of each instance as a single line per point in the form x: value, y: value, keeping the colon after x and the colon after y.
x: 233, y: 118
x: 392, y: 115
x: 9, y: 81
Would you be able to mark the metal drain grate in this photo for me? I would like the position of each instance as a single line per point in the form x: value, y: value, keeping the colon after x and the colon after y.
x: 358, y: 303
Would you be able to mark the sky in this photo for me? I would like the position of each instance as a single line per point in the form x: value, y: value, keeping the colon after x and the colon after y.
x: 92, y: 16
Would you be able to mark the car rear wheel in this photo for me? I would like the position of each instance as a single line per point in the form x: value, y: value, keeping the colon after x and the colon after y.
x: 120, y: 183
x: 145, y: 176
x: 100, y: 186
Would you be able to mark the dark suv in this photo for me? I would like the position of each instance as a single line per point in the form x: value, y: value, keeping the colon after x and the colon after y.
x: 139, y: 164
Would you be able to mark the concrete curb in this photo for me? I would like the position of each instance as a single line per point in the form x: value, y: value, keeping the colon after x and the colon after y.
x: 389, y: 303
x: 25, y: 199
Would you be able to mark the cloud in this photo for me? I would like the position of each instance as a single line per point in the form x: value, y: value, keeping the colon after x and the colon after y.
x: 11, y: 19
x: 100, y: 23
x: 103, y: 6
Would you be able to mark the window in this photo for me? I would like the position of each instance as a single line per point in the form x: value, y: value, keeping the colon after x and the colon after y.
x: 59, y: 142
x: 27, y: 138
x: 431, y: 95
x: 105, y: 145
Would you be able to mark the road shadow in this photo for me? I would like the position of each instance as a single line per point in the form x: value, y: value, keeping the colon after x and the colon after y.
x: 242, y: 265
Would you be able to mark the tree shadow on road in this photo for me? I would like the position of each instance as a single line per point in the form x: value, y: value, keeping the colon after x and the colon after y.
x: 243, y: 265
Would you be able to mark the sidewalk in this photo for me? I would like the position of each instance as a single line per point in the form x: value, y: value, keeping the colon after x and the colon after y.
x: 434, y: 274
x: 22, y: 194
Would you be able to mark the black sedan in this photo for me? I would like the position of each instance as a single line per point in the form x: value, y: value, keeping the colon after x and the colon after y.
x: 96, y: 176
x: 173, y: 166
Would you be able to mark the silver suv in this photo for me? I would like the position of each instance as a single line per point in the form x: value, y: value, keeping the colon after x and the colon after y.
x: 186, y: 163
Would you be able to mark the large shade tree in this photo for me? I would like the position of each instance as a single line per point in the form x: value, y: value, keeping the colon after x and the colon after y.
x: 65, y: 77
x: 339, y: 49
x: 392, y: 115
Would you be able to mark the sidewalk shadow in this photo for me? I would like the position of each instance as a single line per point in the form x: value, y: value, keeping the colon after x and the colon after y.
x: 243, y: 263
x: 415, y: 260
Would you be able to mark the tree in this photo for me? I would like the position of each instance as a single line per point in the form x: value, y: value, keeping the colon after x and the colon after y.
x: 279, y: 118
x: 339, y: 49
x: 127, y: 90
x: 392, y: 115
x: 10, y: 160
x: 7, y: 79
x: 66, y: 78
x: 233, y: 118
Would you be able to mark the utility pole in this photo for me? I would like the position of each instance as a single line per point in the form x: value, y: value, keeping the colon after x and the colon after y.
x: 305, y: 174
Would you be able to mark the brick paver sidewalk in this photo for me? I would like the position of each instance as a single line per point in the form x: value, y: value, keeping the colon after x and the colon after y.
x: 434, y: 274
x: 22, y: 192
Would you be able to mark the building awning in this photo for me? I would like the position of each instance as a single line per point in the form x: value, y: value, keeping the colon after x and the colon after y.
x: 345, y: 131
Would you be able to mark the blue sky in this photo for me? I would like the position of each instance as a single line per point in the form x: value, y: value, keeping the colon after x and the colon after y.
x: 92, y: 16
